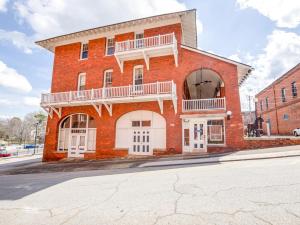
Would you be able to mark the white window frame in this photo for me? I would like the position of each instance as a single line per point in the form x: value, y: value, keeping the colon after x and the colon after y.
x: 106, y: 47
x: 223, y: 131
x: 134, y: 68
x: 283, y: 95
x: 140, y: 45
x: 79, y: 80
x: 104, y: 77
x: 81, y: 50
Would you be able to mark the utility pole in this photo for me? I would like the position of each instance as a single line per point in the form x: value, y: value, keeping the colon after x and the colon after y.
x: 249, y: 108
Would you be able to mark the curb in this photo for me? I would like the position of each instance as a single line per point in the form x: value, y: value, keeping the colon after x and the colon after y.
x: 220, y: 159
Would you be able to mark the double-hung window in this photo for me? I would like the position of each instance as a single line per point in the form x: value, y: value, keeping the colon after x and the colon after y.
x: 138, y: 78
x: 108, y: 78
x: 267, y: 103
x: 84, y: 51
x: 81, y: 81
x: 283, y: 95
x: 294, y: 89
x: 139, y: 40
x: 110, y: 46
x: 261, y: 105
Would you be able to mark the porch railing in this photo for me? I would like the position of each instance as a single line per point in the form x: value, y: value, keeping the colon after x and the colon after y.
x: 203, y: 104
x: 148, y: 42
x: 110, y: 93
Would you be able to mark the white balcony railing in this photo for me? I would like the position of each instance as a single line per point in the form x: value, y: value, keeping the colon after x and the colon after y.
x: 148, y: 42
x: 195, y: 105
x: 110, y: 94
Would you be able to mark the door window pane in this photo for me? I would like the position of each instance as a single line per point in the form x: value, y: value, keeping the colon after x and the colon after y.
x: 146, y: 123
x: 136, y: 123
x: 186, y: 137
x: 82, y: 141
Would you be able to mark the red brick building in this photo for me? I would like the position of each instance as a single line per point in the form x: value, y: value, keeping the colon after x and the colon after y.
x: 141, y: 87
x: 279, y: 103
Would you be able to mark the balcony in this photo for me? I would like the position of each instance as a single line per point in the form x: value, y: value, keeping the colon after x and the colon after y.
x: 197, y: 105
x: 146, y: 48
x: 159, y: 91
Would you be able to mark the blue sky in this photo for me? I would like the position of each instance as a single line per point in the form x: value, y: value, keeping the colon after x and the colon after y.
x: 262, y: 33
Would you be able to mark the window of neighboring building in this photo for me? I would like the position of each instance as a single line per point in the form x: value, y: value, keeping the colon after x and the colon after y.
x: 267, y: 103
x: 139, y: 41
x: 294, y: 89
x: 108, y: 78
x: 84, y: 51
x: 283, y: 95
x: 261, y: 105
x: 81, y: 81
x: 285, y: 116
x: 110, y: 46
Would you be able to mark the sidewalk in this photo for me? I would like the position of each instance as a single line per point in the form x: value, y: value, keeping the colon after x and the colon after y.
x: 267, y: 153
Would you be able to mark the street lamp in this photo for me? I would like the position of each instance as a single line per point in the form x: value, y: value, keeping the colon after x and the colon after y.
x: 35, y: 136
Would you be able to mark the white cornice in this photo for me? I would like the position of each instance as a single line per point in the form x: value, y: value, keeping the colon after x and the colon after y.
x: 114, y: 29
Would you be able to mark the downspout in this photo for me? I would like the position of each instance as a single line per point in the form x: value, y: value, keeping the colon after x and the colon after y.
x: 275, y: 109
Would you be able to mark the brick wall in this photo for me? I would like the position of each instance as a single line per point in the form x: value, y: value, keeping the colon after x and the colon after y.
x: 291, y: 107
x: 65, y: 73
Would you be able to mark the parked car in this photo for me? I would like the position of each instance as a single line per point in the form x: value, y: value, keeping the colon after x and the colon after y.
x: 4, y: 153
x: 296, y: 132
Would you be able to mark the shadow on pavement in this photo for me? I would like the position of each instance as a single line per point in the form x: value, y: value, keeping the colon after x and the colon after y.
x: 15, y: 185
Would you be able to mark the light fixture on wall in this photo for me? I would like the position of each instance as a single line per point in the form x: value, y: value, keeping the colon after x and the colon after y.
x: 229, y: 114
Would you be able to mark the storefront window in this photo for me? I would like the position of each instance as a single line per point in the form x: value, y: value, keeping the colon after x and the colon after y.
x: 215, y: 132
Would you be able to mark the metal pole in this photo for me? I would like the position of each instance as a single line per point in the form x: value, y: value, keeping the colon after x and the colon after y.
x: 36, y: 126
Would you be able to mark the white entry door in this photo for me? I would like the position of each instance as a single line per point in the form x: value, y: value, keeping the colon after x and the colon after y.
x: 198, y: 129
x: 77, y: 145
x: 141, y: 142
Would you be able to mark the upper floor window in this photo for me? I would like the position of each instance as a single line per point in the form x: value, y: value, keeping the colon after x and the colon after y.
x: 110, y: 46
x: 108, y: 78
x: 267, y: 103
x: 138, y: 75
x: 138, y: 78
x: 84, y: 51
x: 283, y: 95
x: 261, y: 105
x: 294, y: 89
x: 81, y: 81
x: 139, y: 41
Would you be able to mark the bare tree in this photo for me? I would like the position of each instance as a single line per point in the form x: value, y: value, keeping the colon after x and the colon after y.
x: 21, y: 131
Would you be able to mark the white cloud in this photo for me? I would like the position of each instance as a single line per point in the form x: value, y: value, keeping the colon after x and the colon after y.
x: 6, y: 102
x: 10, y: 78
x: 31, y: 101
x: 235, y: 57
x: 3, y: 5
x: 280, y: 54
x: 54, y: 17
x: 19, y: 39
x: 286, y: 13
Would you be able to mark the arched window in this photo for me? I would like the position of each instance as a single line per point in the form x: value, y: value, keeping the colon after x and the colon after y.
x: 77, y: 132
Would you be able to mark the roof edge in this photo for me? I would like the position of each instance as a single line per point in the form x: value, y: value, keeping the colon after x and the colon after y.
x: 286, y: 74
x: 217, y: 56
x: 114, y: 24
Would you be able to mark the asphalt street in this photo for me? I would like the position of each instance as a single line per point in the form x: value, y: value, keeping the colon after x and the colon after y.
x: 242, y: 192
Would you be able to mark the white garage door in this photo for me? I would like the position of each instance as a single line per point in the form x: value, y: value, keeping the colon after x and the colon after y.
x: 141, y: 131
